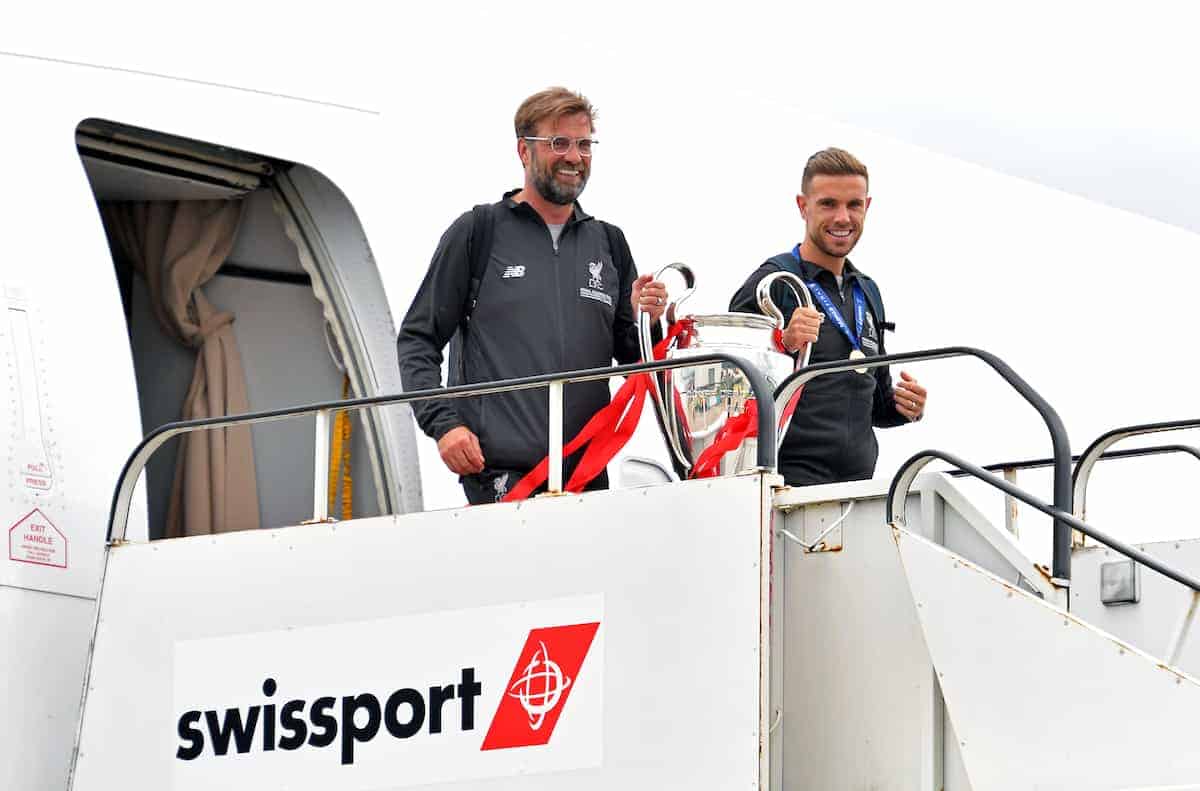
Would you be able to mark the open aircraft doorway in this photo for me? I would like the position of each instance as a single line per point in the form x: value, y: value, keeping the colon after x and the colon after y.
x: 248, y: 284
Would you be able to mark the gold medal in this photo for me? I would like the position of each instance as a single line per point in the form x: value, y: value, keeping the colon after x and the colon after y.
x: 857, y: 354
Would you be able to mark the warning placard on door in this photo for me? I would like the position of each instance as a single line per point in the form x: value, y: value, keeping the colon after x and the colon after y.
x: 36, y: 540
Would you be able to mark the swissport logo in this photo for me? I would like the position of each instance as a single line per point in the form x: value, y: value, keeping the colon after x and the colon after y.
x: 529, y: 709
x: 541, y: 682
x: 410, y: 700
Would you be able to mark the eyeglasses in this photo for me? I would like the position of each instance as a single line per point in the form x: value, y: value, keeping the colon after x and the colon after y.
x: 561, y: 144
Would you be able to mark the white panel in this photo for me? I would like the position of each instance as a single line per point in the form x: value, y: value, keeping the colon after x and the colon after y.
x: 955, y: 773
x: 1039, y: 698
x: 44, y: 641
x: 678, y: 567
x: 859, y: 706
x: 72, y: 411
x: 969, y: 533
x: 1151, y: 623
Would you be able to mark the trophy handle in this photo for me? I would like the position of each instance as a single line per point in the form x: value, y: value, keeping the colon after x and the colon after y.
x: 644, y: 337
x: 665, y: 409
x: 769, y: 308
x: 689, y: 282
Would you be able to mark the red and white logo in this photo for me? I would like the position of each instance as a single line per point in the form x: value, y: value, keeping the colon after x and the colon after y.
x: 36, y: 540
x: 547, y: 670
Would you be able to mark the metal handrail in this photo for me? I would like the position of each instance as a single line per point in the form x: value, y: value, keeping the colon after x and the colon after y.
x: 135, y: 464
x: 1083, y: 470
x: 1112, y: 455
x: 902, y: 483
x: 1061, y: 564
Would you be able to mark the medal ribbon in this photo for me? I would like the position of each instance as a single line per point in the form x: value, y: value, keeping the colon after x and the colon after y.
x: 834, y: 313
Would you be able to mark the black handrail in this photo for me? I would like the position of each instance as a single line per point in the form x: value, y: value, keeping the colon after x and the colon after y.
x: 1083, y: 470
x: 123, y: 494
x: 898, y: 494
x: 1061, y: 446
x: 1112, y: 455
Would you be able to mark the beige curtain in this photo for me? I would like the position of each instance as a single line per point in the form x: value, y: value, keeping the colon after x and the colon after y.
x: 177, y: 246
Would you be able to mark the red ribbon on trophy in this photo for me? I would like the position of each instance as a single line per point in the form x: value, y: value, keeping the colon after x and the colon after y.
x: 612, y: 427
x: 609, y: 429
x: 740, y: 427
x: 735, y: 430
x: 777, y: 337
x: 733, y: 433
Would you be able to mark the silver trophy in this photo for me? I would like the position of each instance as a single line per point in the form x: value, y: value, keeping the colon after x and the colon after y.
x: 693, y: 404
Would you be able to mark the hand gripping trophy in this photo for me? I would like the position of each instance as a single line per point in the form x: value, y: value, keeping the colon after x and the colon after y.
x: 707, y: 412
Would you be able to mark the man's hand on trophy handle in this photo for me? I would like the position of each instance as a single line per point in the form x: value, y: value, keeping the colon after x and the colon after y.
x: 802, y: 329
x: 460, y: 451
x: 649, y: 295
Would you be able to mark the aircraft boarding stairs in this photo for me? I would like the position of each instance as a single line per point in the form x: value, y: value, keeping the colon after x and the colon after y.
x: 711, y: 634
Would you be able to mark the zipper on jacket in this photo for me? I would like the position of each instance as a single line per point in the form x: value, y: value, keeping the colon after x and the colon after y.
x: 559, y: 317
x: 562, y: 322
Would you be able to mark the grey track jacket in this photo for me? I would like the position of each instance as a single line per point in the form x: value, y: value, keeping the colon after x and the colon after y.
x: 538, y: 311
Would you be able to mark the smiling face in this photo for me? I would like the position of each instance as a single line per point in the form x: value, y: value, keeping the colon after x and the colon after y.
x: 559, y: 178
x: 834, y: 209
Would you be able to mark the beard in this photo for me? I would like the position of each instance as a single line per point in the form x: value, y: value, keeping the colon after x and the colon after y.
x: 818, y: 239
x: 554, y: 190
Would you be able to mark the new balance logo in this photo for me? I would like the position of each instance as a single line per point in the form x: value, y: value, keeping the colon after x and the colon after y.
x: 546, y: 672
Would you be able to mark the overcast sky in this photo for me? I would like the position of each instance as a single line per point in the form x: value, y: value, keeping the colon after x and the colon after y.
x: 1093, y: 98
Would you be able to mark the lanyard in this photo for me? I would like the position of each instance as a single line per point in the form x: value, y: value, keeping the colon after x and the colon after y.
x: 834, y: 313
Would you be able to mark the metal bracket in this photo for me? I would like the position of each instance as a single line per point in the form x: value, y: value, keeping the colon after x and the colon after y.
x: 818, y: 543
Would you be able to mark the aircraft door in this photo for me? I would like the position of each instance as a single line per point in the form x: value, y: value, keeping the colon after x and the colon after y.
x: 308, y: 315
x: 333, y: 249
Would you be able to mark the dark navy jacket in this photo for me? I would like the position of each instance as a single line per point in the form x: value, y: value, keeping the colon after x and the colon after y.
x: 831, y: 436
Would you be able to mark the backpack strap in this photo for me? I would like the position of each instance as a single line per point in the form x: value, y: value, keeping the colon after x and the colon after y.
x: 871, y: 291
x: 786, y: 262
x: 621, y: 259
x: 479, y: 250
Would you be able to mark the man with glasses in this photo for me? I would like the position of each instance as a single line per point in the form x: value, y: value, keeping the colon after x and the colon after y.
x: 831, y: 436
x: 529, y: 285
